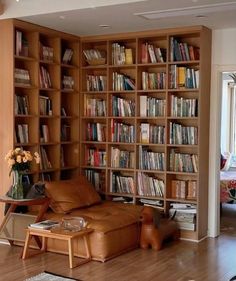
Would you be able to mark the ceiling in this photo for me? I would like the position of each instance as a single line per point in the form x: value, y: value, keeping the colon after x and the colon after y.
x: 84, y: 17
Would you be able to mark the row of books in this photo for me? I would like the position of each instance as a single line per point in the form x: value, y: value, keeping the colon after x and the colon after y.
x: 68, y: 82
x: 21, y: 44
x: 22, y: 133
x: 123, y: 199
x: 183, y: 162
x: 123, y: 107
x: 62, y: 157
x: 183, y: 77
x: 46, y: 53
x: 183, y: 107
x: 184, y: 215
x: 21, y: 105
x: 152, y: 133
x: 159, y: 204
x: 122, y: 158
x: 44, y: 133
x: 183, y: 189
x: 122, y: 184
x: 122, y: 82
x: 65, y: 132
x: 67, y: 56
x: 182, y: 51
x: 152, y: 53
x: 44, y: 78
x: 180, y: 134
x: 45, y: 163
x: 45, y: 105
x: 121, y: 55
x: 150, y: 186
x: 94, y: 107
x: 96, y: 83
x: 152, y: 107
x: 93, y: 54
x: 121, y: 132
x: 150, y: 160
x: 22, y: 76
x: 95, y: 157
x: 97, y: 178
x: 153, y: 80
x: 96, y: 132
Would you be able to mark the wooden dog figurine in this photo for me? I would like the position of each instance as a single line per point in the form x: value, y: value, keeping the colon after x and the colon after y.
x: 155, y: 230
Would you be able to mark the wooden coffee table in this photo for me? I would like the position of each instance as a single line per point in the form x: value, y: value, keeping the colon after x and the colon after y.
x: 60, y: 234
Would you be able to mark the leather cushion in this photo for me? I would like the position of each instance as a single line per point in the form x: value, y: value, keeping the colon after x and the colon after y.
x: 67, y: 195
x: 105, y: 217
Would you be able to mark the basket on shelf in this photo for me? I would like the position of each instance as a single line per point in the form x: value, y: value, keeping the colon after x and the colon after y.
x: 99, y: 61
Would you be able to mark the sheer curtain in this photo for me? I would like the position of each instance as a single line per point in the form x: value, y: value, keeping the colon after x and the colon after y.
x: 232, y: 121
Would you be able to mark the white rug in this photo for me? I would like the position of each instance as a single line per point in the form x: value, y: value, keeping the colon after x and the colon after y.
x: 46, y: 276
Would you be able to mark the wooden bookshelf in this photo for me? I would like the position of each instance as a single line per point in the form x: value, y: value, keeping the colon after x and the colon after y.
x: 40, y: 110
x: 114, y: 107
x: 157, y: 100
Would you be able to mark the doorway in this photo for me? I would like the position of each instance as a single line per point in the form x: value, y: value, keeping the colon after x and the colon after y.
x: 228, y: 155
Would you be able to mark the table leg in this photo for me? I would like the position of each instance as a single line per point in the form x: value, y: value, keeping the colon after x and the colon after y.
x: 71, y: 252
x: 10, y: 210
x: 44, y: 244
x: 87, y: 247
x: 26, y: 246
x: 40, y: 215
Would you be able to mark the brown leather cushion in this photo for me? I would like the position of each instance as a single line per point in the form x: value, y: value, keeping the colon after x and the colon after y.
x: 67, y: 195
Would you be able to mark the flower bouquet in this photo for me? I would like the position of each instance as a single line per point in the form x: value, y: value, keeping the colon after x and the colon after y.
x: 19, y: 163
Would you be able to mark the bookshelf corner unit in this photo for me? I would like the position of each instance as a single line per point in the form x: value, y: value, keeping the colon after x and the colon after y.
x: 40, y: 74
x: 153, y: 116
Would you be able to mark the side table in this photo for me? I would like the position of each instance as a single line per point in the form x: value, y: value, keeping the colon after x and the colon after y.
x: 61, y: 234
x: 42, y: 201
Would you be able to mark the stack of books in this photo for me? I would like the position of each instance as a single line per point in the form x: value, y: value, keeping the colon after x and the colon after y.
x: 184, y: 215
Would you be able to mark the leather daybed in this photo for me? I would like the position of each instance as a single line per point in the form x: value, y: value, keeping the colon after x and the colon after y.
x: 116, y: 225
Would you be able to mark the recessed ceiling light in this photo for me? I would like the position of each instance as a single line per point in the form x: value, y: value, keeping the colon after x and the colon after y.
x: 201, y: 16
x: 104, y: 25
x: 17, y: 0
x: 62, y: 17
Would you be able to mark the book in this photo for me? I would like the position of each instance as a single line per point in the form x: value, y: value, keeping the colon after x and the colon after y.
x: 46, y: 224
x: 128, y: 56
x: 144, y: 132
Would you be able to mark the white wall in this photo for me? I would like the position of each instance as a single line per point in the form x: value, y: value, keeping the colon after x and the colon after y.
x: 223, y: 60
x: 224, y: 47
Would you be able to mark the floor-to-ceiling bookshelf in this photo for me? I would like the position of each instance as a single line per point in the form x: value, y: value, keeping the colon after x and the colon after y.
x: 153, y: 131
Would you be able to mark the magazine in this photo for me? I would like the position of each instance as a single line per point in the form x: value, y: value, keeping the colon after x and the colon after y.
x: 46, y: 224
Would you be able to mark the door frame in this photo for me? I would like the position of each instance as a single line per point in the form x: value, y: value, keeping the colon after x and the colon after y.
x: 214, y: 148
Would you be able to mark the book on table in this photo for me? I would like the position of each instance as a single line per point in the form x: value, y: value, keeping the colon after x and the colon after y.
x: 46, y: 224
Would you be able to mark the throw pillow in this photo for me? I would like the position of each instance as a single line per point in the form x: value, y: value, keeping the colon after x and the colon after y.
x: 67, y: 195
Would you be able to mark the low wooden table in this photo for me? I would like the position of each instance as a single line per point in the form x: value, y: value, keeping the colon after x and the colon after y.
x: 62, y: 235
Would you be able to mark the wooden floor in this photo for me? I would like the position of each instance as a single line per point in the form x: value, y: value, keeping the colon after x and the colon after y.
x: 210, y: 260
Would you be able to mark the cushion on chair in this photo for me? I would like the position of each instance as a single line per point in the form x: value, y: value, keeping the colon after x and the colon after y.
x: 67, y: 195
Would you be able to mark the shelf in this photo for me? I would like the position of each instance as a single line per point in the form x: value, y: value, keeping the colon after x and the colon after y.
x: 184, y: 201
x: 24, y: 58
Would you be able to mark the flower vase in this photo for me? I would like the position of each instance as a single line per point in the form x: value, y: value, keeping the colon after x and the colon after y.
x: 17, y: 191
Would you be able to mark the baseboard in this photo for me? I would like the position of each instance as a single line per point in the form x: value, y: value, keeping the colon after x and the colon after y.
x: 193, y: 240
